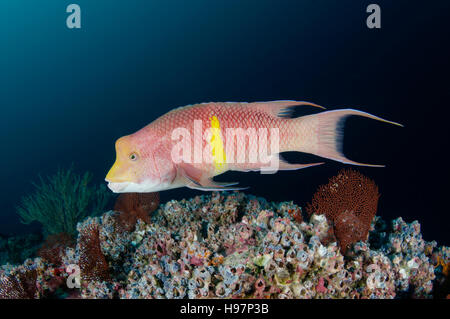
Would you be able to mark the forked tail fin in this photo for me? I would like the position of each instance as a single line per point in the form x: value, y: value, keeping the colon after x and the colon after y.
x: 322, y: 134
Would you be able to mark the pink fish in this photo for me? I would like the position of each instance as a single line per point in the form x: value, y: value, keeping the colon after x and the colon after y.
x: 190, y: 145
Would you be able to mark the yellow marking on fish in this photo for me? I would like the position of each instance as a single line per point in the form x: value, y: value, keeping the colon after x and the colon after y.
x: 217, y: 150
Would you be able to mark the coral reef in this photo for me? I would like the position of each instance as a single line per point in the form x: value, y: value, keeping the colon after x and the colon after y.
x: 349, y: 201
x: 62, y: 200
x: 231, y: 245
x: 134, y: 206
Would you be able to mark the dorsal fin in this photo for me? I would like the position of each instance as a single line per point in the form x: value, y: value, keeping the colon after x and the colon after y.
x: 281, y: 108
x: 179, y: 108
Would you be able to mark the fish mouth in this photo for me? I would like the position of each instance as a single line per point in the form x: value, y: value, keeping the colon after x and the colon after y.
x: 117, y: 187
x: 130, y: 187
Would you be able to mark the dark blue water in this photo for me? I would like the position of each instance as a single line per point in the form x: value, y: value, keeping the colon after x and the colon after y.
x: 67, y: 95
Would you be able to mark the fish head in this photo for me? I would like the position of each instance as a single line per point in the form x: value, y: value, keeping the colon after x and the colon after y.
x: 135, y: 169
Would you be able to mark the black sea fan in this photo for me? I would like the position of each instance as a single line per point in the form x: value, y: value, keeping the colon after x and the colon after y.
x: 62, y: 200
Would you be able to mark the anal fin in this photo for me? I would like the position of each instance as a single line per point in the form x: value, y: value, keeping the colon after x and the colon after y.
x: 210, y: 185
x: 285, y: 166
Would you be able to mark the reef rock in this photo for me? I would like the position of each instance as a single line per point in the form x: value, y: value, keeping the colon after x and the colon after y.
x: 231, y: 245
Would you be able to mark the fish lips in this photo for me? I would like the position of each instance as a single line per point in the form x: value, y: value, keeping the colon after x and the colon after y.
x: 117, y: 187
x: 130, y: 187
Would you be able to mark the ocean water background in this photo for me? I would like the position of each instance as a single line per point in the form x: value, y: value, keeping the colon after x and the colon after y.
x: 67, y: 95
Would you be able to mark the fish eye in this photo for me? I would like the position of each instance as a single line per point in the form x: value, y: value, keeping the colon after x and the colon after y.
x: 133, y: 156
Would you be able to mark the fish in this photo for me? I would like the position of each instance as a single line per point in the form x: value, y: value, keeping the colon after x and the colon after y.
x: 190, y: 145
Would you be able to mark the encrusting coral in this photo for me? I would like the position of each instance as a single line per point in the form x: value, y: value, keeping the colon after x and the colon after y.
x: 92, y: 262
x: 134, y: 206
x: 240, y: 246
x: 62, y: 200
x: 19, y: 285
x: 349, y: 201
x: 54, y: 246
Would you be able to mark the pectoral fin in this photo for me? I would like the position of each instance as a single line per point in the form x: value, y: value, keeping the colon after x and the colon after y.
x: 195, y: 180
x: 190, y: 173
